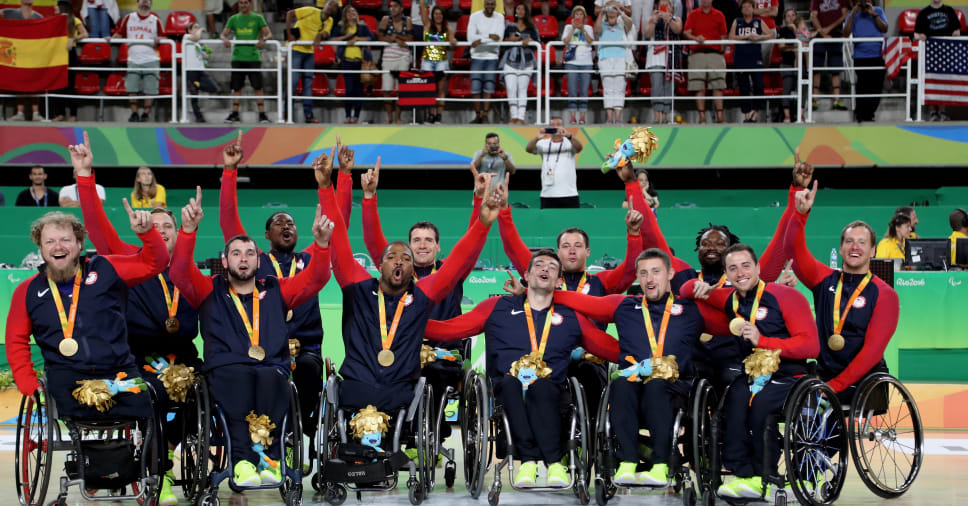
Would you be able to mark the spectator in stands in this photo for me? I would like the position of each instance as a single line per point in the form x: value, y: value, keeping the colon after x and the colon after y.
x: 351, y: 58
x: 702, y: 24
x: 767, y: 11
x: 483, y: 28
x: 578, y: 37
x: 866, y: 20
x: 38, y: 194
x: 648, y: 192
x: 625, y: 6
x: 143, y: 60
x: 196, y: 61
x: 663, y: 25
x: 419, y: 11
x: 69, y: 197
x: 898, y: 231
x: 793, y: 27
x: 613, y: 26
x: 306, y: 24
x: 913, y: 215
x: 749, y: 56
x: 26, y: 11
x: 100, y: 16
x: 493, y: 160
x: 937, y: 20
x: 75, y: 32
x: 246, y: 25
x: 558, y: 150
x: 519, y: 62
x: 958, y: 219
x: 147, y: 193
x: 828, y: 18
x: 213, y: 8
x: 435, y: 29
x: 395, y: 29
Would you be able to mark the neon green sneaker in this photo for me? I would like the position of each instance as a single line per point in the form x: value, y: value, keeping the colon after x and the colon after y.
x: 625, y: 474
x: 245, y: 474
x: 167, y: 497
x: 658, y: 475
x: 741, y: 488
x: 411, y: 453
x: 271, y: 475
x: 527, y: 475
x: 557, y: 475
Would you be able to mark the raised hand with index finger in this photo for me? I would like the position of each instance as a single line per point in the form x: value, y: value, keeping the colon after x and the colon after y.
x: 81, y: 157
x: 323, y: 168
x: 140, y: 220
x: 192, y: 212
x: 232, y: 153
x: 345, y: 157
x: 802, y: 171
x: 805, y: 199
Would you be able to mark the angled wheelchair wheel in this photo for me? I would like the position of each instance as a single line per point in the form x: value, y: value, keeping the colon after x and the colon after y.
x: 815, y: 443
x: 474, y: 408
x: 292, y: 450
x: 886, y: 436
x: 327, y: 439
x: 582, y: 436
x: 426, y: 440
x: 705, y: 446
x: 604, y: 453
x: 34, y: 445
x: 196, y: 430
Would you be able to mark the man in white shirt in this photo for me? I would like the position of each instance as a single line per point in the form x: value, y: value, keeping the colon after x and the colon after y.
x: 68, y: 196
x: 483, y: 28
x: 143, y: 61
x: 558, y: 149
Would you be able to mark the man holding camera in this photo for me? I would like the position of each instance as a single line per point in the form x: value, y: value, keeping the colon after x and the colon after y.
x: 865, y: 20
x: 493, y: 160
x: 558, y: 149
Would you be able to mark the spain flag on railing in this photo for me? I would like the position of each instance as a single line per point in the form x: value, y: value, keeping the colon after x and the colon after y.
x: 33, y: 54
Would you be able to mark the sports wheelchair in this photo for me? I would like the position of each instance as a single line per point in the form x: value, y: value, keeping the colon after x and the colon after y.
x: 107, y: 454
x: 206, y: 449
x: 606, y: 461
x: 485, y: 431
x: 810, y: 430
x: 342, y: 464
x: 451, y: 392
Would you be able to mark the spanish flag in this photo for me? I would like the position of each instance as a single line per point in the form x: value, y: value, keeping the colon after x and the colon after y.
x: 33, y: 54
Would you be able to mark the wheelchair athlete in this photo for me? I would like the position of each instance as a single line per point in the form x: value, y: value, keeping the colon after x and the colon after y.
x: 770, y: 317
x: 529, y: 342
x: 243, y: 323
x: 650, y: 380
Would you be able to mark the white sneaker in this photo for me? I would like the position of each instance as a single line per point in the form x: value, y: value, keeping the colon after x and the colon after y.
x: 17, y: 117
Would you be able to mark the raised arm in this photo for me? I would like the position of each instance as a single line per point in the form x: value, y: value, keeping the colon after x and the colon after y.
x: 17, y: 339
x: 620, y: 278
x: 313, y: 278
x: 716, y: 297
x: 151, y: 260
x: 596, y: 341
x: 779, y: 249
x: 373, y: 236
x: 807, y: 268
x: 345, y: 267
x: 882, y: 325
x: 803, y: 342
x: 228, y: 206
x: 193, y: 285
x: 650, y: 234
x: 600, y: 309
x: 463, y: 326
x: 344, y: 180
x: 514, y: 247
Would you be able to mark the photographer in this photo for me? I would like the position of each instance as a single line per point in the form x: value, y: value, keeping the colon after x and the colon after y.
x: 558, y: 149
x: 493, y: 160
x: 865, y: 20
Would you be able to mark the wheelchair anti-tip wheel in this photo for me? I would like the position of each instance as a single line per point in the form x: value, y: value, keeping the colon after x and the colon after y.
x: 886, y: 436
x: 34, y: 445
x: 815, y: 443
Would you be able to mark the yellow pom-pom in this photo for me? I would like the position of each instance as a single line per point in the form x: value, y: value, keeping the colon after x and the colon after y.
x: 177, y: 379
x: 369, y: 420
x: 534, y: 361
x: 427, y: 355
x: 762, y: 362
x: 94, y: 393
x: 665, y: 368
x: 645, y: 143
x: 260, y: 428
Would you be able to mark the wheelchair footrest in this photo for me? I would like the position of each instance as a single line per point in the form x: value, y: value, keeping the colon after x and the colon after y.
x: 341, y: 471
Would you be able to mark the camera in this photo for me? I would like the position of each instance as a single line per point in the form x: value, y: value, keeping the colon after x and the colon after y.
x: 550, y: 130
x: 493, y: 149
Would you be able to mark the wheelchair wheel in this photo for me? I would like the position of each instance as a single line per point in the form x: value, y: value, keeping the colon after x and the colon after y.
x: 581, y: 435
x: 426, y: 441
x: 815, y: 443
x: 604, y: 457
x: 326, y: 446
x: 34, y: 444
x: 196, y: 428
x: 474, y: 408
x: 705, y: 451
x: 886, y: 436
x: 292, y: 451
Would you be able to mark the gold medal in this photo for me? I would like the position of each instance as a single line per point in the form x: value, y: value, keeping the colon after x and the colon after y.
x: 836, y: 342
x: 289, y: 315
x: 385, y: 358
x: 736, y: 326
x: 704, y: 337
x: 257, y: 352
x: 172, y: 325
x: 68, y: 347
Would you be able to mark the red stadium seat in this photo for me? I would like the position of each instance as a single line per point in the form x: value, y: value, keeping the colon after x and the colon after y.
x: 115, y: 85
x: 320, y: 85
x: 407, y: 5
x: 461, y: 31
x: 367, y: 4
x: 499, y: 90
x: 164, y: 83
x: 445, y: 4
x: 164, y: 52
x: 508, y: 19
x: 728, y: 55
x: 906, y: 21
x: 461, y: 58
x: 122, y: 58
x: 459, y: 86
x: 547, y: 26
x: 551, y: 55
x: 177, y: 22
x: 324, y: 56
x: 370, y: 22
x: 961, y: 19
x: 645, y: 85
x: 465, y: 5
x: 340, y: 89
x: 776, y: 56
x: 87, y: 83
x: 95, y: 53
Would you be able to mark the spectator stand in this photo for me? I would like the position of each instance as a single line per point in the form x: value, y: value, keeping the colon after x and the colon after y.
x: 458, y: 87
x: 270, y: 47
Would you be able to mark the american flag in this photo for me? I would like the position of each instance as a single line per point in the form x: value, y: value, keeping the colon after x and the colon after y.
x: 946, y: 72
x: 897, y: 52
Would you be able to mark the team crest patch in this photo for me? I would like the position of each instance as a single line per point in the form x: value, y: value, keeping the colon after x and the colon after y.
x: 556, y: 318
x: 676, y: 309
x: 408, y: 300
x: 585, y: 289
x: 91, y: 278
x: 860, y: 302
x: 761, y: 313
x: 262, y: 295
x: 300, y: 264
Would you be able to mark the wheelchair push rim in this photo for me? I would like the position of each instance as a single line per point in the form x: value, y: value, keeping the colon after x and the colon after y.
x: 815, y: 443
x: 886, y: 436
x: 34, y: 445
